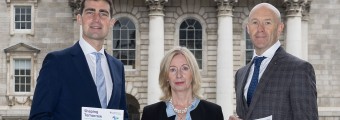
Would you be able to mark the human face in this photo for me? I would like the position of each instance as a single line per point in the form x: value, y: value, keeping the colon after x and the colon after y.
x: 180, y: 74
x: 264, y: 28
x: 95, y: 20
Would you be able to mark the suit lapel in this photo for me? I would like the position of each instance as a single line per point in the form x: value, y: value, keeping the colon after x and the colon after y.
x: 80, y: 62
x: 265, y: 78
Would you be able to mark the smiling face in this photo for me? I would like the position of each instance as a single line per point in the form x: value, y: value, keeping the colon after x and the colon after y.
x: 180, y: 74
x: 264, y: 27
x: 95, y: 20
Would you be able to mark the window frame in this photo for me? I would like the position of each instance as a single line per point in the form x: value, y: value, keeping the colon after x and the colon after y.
x: 13, y: 30
x: 13, y: 74
x: 131, y: 67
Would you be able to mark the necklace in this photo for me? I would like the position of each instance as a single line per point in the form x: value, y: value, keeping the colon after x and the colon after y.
x: 177, y: 110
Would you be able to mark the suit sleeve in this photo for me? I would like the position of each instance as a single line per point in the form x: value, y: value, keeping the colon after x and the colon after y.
x: 47, y: 90
x: 303, y: 93
x: 123, y: 96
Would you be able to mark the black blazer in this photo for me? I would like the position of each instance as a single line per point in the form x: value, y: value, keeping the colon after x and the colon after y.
x: 204, y: 111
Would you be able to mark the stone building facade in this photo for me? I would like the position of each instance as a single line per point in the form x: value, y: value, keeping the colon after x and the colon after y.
x: 145, y: 29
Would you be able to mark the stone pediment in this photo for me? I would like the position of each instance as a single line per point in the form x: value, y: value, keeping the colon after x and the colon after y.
x: 21, y: 47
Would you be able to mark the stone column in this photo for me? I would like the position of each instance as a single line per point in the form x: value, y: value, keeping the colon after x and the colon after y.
x: 305, y: 18
x: 225, y: 79
x: 294, y: 27
x: 156, y: 47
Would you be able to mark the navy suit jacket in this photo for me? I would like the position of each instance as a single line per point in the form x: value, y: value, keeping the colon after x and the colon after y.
x: 286, y: 90
x: 204, y: 111
x: 65, y: 85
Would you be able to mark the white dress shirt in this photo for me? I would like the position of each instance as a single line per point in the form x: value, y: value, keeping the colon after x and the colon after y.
x: 91, y: 61
x: 269, y: 55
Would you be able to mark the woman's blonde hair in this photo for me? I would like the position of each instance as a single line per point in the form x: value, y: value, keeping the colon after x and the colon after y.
x: 164, y: 72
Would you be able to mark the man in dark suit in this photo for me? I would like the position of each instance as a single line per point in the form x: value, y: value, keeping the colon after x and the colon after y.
x: 83, y: 75
x: 275, y: 85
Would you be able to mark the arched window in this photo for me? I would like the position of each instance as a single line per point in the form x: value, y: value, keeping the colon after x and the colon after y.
x: 190, y: 36
x: 249, y: 48
x: 124, y: 42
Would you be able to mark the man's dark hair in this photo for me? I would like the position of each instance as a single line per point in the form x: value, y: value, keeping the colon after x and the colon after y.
x: 82, y: 5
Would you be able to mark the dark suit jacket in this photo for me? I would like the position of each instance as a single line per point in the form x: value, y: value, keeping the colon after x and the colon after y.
x: 204, y: 111
x: 287, y: 90
x: 65, y: 85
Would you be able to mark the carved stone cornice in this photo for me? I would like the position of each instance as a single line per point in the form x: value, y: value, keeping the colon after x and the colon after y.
x: 294, y: 7
x: 225, y: 7
x: 75, y: 6
x: 156, y: 7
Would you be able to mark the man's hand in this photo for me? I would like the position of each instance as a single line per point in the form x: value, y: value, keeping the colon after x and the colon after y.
x: 234, y: 117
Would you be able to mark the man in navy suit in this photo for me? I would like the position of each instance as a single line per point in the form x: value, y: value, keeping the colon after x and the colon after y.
x: 275, y: 85
x: 69, y: 79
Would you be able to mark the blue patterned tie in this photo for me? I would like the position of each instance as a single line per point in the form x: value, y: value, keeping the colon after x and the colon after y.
x: 100, y: 80
x: 254, y: 79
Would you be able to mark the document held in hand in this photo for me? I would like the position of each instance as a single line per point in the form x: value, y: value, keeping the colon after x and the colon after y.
x: 90, y: 113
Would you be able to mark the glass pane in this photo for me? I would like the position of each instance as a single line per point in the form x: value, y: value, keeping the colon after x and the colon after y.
x: 116, y: 44
x: 16, y: 72
x: 16, y: 79
x: 124, y: 62
x: 22, y: 26
x: 132, y: 54
x: 28, y: 72
x: 16, y: 88
x: 115, y: 53
x: 17, y: 10
x: 22, y: 72
x: 28, y: 88
x: 182, y: 43
x: 28, y: 80
x: 124, y: 34
x: 124, y: 54
x: 198, y: 54
x: 182, y: 34
x: 22, y: 88
x: 183, y: 25
x: 191, y: 44
x: 198, y: 34
x: 199, y: 62
x: 191, y: 34
x: 191, y: 21
x: 17, y: 17
x: 28, y: 10
x: 22, y: 80
x: 130, y: 25
x: 28, y: 25
x: 116, y: 34
x: 28, y: 18
x: 197, y: 25
x: 198, y: 44
x: 123, y: 21
x: 117, y: 25
x: 132, y: 34
x: 124, y: 44
x: 17, y: 25
x: 22, y: 10
x: 132, y: 44
x: 22, y: 17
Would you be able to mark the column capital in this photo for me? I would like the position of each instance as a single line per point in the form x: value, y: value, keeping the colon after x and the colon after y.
x: 306, y: 10
x: 156, y: 7
x: 294, y: 7
x: 75, y: 6
x: 225, y: 7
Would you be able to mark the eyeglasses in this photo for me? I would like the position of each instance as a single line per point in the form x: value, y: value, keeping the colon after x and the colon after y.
x: 174, y: 70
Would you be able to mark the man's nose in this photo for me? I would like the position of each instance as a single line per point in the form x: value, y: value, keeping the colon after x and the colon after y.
x: 260, y: 27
